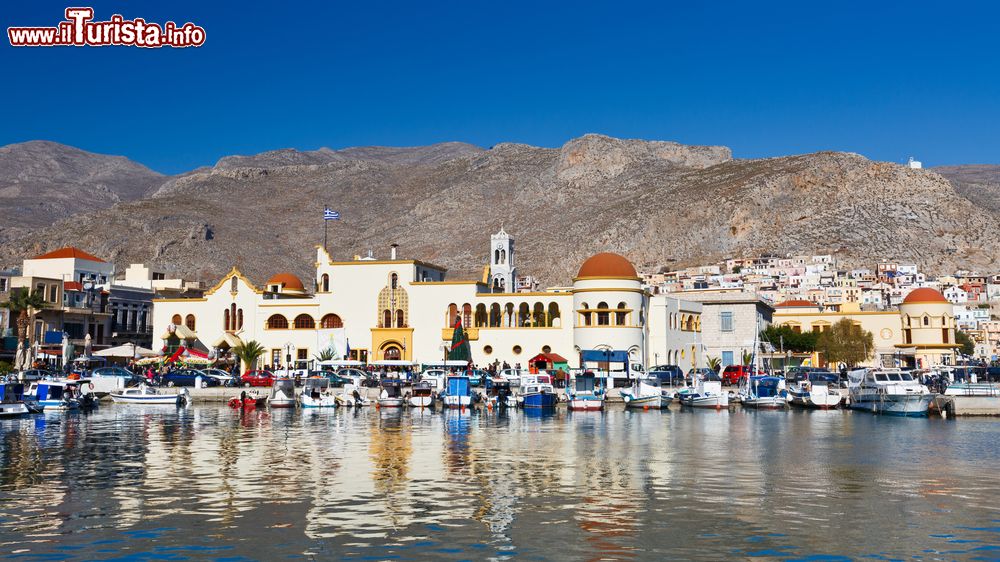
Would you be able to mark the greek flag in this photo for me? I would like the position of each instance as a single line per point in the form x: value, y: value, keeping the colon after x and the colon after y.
x: 329, y: 215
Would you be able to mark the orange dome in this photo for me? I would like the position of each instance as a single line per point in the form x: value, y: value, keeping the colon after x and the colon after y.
x: 607, y: 264
x: 288, y: 281
x: 795, y: 302
x: 924, y: 295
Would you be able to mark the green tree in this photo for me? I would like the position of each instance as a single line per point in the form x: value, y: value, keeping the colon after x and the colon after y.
x: 325, y: 355
x: 783, y: 337
x: 846, y: 342
x: 747, y: 357
x: 23, y: 305
x: 965, y: 340
x: 714, y: 363
x: 249, y: 352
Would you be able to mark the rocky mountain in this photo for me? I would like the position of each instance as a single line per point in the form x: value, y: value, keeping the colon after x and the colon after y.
x: 659, y: 203
x: 979, y: 183
x: 42, y: 181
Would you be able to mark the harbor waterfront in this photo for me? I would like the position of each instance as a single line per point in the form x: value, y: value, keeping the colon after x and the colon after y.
x: 212, y: 482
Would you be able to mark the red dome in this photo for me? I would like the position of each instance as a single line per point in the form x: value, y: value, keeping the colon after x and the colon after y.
x: 795, y: 302
x: 607, y: 264
x: 924, y: 295
x: 287, y: 281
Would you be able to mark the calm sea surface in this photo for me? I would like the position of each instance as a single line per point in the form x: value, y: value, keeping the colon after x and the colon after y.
x: 160, y: 483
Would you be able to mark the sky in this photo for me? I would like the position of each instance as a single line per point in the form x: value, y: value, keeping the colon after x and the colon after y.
x: 888, y: 80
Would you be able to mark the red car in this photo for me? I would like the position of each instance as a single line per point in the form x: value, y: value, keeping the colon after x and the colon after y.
x: 257, y: 378
x: 731, y: 374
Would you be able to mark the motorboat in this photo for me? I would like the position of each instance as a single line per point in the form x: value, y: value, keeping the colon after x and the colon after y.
x: 282, y: 394
x: 60, y: 394
x: 706, y: 392
x: 148, y: 395
x: 458, y: 391
x: 888, y: 391
x: 421, y: 395
x: 499, y: 394
x: 816, y: 389
x: 391, y: 395
x: 436, y: 378
x: 316, y: 394
x: 764, y: 392
x: 584, y: 393
x: 12, y: 400
x: 353, y: 394
x: 646, y: 393
x: 537, y: 392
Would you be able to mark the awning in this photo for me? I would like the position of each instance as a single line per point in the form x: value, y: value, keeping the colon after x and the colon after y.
x: 601, y: 356
x: 126, y: 350
x: 228, y: 340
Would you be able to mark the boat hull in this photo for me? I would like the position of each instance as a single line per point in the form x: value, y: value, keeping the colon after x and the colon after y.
x: 457, y: 402
x: 57, y: 405
x: 585, y: 403
x: 13, y: 410
x: 390, y: 402
x: 321, y: 402
x: 711, y: 401
x: 766, y: 403
x: 421, y: 402
x: 912, y: 405
x: 643, y: 402
x: 164, y: 400
x: 818, y: 401
x: 540, y: 400
x: 282, y: 403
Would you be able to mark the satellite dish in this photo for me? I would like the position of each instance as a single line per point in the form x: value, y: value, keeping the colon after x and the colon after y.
x: 88, y: 285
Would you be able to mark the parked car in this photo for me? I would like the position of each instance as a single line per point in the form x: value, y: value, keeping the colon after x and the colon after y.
x: 668, y: 374
x: 513, y: 376
x: 32, y: 375
x: 793, y: 374
x: 188, y: 377
x: 336, y: 379
x: 224, y: 378
x: 257, y: 378
x: 731, y: 375
x: 704, y: 372
x: 130, y: 378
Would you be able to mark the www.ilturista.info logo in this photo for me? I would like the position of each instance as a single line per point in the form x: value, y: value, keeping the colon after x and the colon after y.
x: 79, y: 30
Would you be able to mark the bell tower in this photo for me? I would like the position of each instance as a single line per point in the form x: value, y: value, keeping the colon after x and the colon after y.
x: 502, y: 268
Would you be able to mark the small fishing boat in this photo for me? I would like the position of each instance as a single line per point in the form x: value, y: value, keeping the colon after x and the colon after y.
x: 458, y: 391
x: 247, y: 401
x: 499, y: 394
x: 537, y: 392
x: 391, y: 395
x: 282, y: 394
x: 316, y: 394
x: 12, y: 400
x: 584, y: 393
x: 59, y: 394
x: 888, y: 391
x: 706, y: 393
x: 421, y: 395
x: 763, y: 392
x: 148, y: 395
x: 353, y: 394
x: 646, y: 393
x: 816, y: 389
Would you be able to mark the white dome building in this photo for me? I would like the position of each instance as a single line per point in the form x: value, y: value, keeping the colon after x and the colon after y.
x: 609, y: 306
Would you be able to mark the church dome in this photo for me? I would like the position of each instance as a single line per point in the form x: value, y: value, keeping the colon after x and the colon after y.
x: 287, y: 281
x: 607, y: 265
x: 924, y: 295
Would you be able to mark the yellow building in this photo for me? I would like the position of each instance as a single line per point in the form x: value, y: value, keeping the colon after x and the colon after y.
x: 920, y: 334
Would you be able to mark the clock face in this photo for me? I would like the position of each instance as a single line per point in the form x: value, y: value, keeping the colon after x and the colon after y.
x: 886, y: 333
x: 499, y: 246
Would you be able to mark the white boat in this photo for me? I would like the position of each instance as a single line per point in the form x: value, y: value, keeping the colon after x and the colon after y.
x: 584, y: 393
x: 148, y: 395
x: 282, y: 394
x: 537, y: 392
x: 59, y: 394
x: 421, y: 395
x: 458, y: 392
x: 763, y: 392
x: 12, y: 400
x: 353, y: 394
x: 888, y: 391
x: 704, y: 394
x: 316, y: 394
x: 646, y: 394
x: 817, y: 390
x: 391, y: 395
x: 498, y: 394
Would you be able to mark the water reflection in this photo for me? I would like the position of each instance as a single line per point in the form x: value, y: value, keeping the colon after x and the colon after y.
x: 460, y: 484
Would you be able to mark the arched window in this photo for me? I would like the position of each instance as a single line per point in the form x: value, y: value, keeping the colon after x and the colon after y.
x: 331, y: 321
x: 176, y: 320
x: 325, y: 283
x: 393, y: 281
x: 449, y: 319
x: 304, y: 322
x: 239, y: 319
x: 538, y: 316
x: 503, y: 256
x: 234, y: 284
x: 508, y: 317
x: 277, y: 322
x: 621, y: 314
x: 927, y: 321
x: 392, y: 353
x: 603, y: 316
x: 225, y: 320
x: 496, y: 256
x: 495, y: 315
x: 467, y: 315
x: 386, y: 318
x: 523, y: 315
x: 554, y: 320
x: 585, y: 312
x: 481, y: 319
x: 399, y: 319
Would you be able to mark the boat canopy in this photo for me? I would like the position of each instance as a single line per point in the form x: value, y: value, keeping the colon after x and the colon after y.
x: 11, y: 392
x: 603, y: 356
x: 341, y: 363
x: 458, y: 386
x: 284, y: 385
x: 446, y: 364
x: 392, y: 363
x: 585, y: 383
x: 319, y: 383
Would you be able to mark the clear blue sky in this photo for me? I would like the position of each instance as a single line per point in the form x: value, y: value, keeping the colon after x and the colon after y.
x: 885, y: 79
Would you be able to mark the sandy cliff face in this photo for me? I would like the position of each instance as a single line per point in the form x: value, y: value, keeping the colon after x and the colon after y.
x: 659, y: 203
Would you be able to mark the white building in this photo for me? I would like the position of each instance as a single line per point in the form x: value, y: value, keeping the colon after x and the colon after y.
x: 675, y: 333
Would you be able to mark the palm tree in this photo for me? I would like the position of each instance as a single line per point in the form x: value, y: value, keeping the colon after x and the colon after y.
x: 325, y: 355
x: 747, y: 357
x: 249, y: 352
x: 714, y: 363
x: 23, y: 304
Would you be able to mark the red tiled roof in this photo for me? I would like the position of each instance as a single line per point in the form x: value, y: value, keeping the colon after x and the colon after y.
x: 795, y: 302
x: 72, y: 286
x: 924, y: 295
x: 69, y: 252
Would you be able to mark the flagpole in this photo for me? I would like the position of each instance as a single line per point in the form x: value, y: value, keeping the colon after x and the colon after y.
x: 324, y: 232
